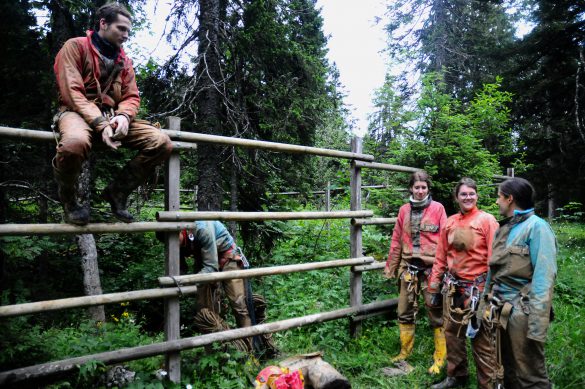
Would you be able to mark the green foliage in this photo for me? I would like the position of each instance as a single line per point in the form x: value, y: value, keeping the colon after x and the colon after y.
x: 450, y: 140
x: 571, y: 212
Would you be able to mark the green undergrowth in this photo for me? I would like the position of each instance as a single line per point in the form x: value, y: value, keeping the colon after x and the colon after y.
x: 360, y: 359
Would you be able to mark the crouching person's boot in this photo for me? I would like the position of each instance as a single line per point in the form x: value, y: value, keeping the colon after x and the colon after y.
x: 117, y: 192
x: 73, y: 212
x: 406, y: 341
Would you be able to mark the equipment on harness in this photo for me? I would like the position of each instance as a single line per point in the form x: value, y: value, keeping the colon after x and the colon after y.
x: 461, y: 298
x: 411, y: 276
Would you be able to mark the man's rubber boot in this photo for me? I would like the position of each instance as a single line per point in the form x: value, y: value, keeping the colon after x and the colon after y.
x: 440, y: 351
x: 451, y: 382
x: 73, y: 212
x: 117, y: 192
x: 406, y: 341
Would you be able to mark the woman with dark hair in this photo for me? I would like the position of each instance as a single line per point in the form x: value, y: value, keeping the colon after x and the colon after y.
x: 464, y: 248
x: 411, y: 257
x: 519, y: 290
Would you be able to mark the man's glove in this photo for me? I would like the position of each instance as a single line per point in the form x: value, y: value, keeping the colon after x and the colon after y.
x: 436, y: 300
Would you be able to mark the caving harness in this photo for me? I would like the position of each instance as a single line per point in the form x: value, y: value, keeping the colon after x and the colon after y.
x: 454, y: 290
x: 411, y: 276
x: 495, y: 318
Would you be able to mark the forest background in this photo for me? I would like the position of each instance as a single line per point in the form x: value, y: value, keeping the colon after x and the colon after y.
x: 473, y: 100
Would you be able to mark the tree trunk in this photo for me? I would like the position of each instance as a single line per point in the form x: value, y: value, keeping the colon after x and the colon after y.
x: 86, y: 244
x: 208, y: 102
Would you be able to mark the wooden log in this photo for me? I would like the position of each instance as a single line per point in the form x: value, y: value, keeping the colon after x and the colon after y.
x: 272, y: 146
x: 12, y: 377
x: 377, y: 312
x: 172, y: 307
x: 184, y: 146
x: 260, y: 272
x: 355, y: 235
x: 373, y: 221
x: 372, y: 266
x: 21, y: 133
x: 88, y: 301
x: 193, y: 137
x: 257, y: 216
x: 318, y: 374
x: 93, y: 228
x: 385, y: 166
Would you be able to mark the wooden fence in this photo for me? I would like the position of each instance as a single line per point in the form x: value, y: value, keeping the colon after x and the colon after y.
x: 173, y: 285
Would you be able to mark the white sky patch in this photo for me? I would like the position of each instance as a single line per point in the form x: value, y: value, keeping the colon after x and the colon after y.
x: 355, y: 45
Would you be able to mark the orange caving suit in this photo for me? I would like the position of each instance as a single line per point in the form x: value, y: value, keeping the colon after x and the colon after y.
x: 403, y: 254
x: 91, y: 92
x: 464, y: 250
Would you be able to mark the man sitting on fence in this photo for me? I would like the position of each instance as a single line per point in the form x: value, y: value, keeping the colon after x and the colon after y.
x: 214, y: 249
x: 98, y: 96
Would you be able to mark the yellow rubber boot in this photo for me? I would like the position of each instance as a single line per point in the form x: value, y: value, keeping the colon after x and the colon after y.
x: 406, y: 341
x: 440, y: 351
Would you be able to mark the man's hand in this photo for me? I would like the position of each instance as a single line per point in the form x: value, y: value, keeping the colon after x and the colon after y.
x: 121, y: 125
x: 107, y: 135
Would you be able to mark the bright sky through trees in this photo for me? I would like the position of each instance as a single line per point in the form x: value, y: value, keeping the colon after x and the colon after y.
x: 355, y: 45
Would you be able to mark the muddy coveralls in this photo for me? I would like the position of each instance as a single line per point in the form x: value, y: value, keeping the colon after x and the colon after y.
x: 411, y: 256
x: 92, y: 89
x: 214, y: 249
x: 462, y: 262
x: 518, y: 298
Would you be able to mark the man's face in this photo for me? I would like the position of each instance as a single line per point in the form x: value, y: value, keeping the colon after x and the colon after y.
x: 116, y: 32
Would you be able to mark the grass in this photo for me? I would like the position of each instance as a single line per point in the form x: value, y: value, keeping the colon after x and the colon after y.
x: 360, y: 359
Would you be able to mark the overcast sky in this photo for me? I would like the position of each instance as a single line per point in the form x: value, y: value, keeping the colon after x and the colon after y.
x: 354, y: 45
x: 355, y: 42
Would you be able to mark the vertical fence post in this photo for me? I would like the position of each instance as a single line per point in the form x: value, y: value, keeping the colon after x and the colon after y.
x: 355, y: 280
x: 510, y: 171
x: 172, y: 268
x: 328, y: 197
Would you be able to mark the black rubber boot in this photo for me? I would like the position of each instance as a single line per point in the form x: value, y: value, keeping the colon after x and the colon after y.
x: 73, y: 212
x: 117, y: 192
x: 451, y: 382
x: 117, y: 200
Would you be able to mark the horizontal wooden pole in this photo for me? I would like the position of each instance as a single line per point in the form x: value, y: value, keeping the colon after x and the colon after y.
x: 405, y: 169
x: 11, y: 377
x: 377, y: 312
x: 92, y: 228
x: 167, y: 216
x: 371, y: 266
x: 259, y: 144
x: 88, y: 301
x: 22, y: 133
x: 372, y: 221
x: 262, y: 271
x: 385, y: 166
x: 501, y: 177
x: 184, y: 146
x: 193, y: 137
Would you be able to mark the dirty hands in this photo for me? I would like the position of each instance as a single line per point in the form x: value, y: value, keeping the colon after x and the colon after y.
x: 389, y: 273
x: 107, y: 136
x: 119, y: 123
